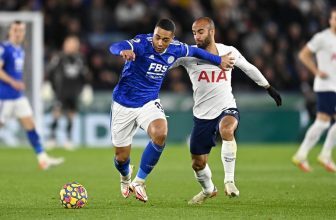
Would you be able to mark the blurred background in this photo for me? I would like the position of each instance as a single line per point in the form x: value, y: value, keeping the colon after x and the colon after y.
x: 268, y: 33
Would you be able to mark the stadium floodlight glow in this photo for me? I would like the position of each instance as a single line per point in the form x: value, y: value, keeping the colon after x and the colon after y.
x: 33, y: 69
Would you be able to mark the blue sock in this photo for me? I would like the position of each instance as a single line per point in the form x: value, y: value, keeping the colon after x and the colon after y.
x: 34, y: 140
x: 122, y: 168
x: 149, y: 159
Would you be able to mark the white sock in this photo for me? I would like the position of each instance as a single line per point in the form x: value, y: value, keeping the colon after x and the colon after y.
x: 138, y: 180
x: 42, y: 156
x: 228, y: 155
x: 329, y: 142
x: 311, y: 138
x: 204, y: 178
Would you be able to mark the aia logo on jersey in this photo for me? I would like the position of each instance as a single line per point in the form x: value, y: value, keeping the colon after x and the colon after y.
x: 212, y: 76
x: 156, y: 70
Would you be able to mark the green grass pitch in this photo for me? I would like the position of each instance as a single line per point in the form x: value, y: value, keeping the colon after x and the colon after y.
x: 270, y: 186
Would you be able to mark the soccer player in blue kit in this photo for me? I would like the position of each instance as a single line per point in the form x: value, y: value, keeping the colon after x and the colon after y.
x: 136, y: 98
x: 12, y: 99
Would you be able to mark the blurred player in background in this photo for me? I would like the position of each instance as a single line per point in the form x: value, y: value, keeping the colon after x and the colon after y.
x: 215, y: 108
x: 136, y: 98
x: 69, y: 77
x: 323, y: 44
x: 12, y: 99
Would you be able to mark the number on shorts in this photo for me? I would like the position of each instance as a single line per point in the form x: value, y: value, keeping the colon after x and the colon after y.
x: 159, y: 106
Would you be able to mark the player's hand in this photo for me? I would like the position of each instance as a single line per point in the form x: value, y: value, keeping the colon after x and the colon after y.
x: 87, y: 95
x: 128, y: 55
x: 227, y: 61
x: 275, y: 95
x: 321, y: 74
x: 47, y: 92
x: 18, y: 85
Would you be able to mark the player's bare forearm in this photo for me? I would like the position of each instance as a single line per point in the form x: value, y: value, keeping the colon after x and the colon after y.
x: 306, y: 57
x: 12, y: 82
x: 5, y: 77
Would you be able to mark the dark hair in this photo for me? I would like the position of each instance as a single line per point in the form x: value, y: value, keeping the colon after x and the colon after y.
x: 10, y: 25
x: 166, y: 24
x: 16, y: 22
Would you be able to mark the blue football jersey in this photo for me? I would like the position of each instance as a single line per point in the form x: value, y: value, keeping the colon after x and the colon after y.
x: 141, y: 79
x: 13, y: 62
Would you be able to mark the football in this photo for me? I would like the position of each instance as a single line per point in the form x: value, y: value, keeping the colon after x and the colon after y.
x: 73, y: 195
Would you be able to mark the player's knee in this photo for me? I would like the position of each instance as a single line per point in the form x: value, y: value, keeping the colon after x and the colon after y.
x: 159, y: 136
x: 121, y: 157
x: 227, y: 133
x: 198, y: 165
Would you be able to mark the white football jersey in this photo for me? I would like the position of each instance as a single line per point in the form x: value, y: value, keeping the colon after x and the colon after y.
x: 323, y: 44
x: 212, y: 85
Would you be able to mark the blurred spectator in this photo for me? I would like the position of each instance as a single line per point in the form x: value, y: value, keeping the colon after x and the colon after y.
x: 269, y: 30
x: 69, y: 77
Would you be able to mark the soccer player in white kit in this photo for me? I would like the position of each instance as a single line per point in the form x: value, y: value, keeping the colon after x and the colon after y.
x: 323, y: 44
x: 215, y: 108
x: 12, y: 99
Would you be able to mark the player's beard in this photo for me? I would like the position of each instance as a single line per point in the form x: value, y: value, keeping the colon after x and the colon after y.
x: 205, y: 43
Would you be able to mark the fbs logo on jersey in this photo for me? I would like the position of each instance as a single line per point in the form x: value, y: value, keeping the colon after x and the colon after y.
x: 156, y: 70
x: 212, y: 77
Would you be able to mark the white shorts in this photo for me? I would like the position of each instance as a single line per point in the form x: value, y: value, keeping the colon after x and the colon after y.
x: 126, y: 121
x: 18, y: 108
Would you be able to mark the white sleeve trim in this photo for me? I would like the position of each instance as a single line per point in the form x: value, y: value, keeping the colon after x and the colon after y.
x: 187, y: 50
x: 132, y: 48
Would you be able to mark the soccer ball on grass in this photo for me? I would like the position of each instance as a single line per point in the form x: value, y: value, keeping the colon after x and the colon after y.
x: 73, y: 195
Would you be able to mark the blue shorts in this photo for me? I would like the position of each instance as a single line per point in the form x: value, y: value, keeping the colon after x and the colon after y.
x: 204, y: 132
x: 326, y: 102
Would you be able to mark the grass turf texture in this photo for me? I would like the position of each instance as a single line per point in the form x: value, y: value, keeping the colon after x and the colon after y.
x: 270, y: 186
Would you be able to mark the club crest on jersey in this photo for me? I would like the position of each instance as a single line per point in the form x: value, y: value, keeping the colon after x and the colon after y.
x: 170, y: 59
x: 212, y: 76
x: 156, y: 70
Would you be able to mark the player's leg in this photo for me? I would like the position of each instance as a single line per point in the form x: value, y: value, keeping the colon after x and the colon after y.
x: 202, y: 139
x: 227, y: 127
x: 314, y: 132
x: 56, y: 114
x: 153, y: 120
x: 24, y: 113
x: 5, y: 110
x: 325, y: 157
x: 70, y: 115
x: 123, y: 127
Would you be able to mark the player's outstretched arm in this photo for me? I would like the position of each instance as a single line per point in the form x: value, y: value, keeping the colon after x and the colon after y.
x: 253, y: 72
x: 225, y: 62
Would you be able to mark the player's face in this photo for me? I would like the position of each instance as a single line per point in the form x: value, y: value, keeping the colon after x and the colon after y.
x: 332, y: 21
x: 17, y: 33
x: 161, y: 39
x: 71, y: 45
x: 203, y: 35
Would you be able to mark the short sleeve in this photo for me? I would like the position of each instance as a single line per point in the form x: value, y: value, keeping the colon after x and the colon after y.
x: 179, y: 62
x: 315, y: 43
